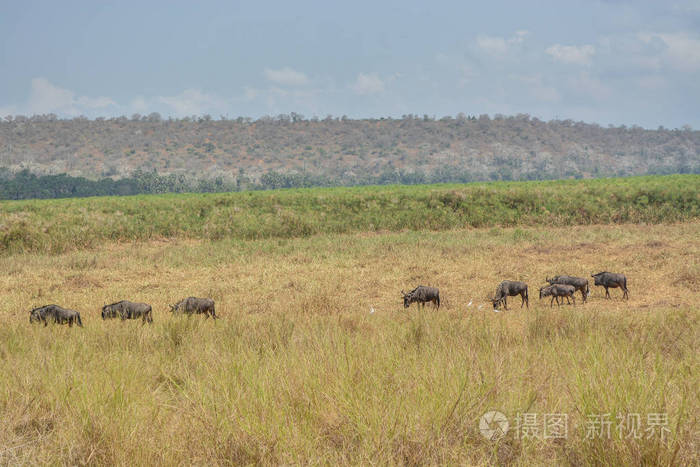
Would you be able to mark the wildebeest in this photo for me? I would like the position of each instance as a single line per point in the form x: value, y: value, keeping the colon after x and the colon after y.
x: 611, y: 280
x: 510, y: 289
x: 422, y: 294
x: 579, y: 283
x: 128, y: 310
x: 194, y: 305
x: 558, y: 290
x: 55, y: 313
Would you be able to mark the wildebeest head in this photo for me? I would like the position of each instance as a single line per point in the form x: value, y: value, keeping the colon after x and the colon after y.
x: 34, y: 316
x: 598, y: 278
x: 104, y: 311
x: 174, y: 307
x: 406, y: 299
x: 546, y: 290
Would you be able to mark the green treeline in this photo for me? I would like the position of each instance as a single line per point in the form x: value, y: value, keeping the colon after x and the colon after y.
x: 27, y: 185
x: 61, y: 225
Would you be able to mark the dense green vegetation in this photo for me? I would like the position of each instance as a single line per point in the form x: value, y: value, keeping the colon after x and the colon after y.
x: 61, y: 225
x: 26, y: 185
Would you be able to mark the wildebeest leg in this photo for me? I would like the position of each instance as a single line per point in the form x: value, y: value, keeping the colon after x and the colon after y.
x: 551, y: 302
x: 567, y: 300
x: 607, y: 293
x: 574, y: 299
x: 505, y: 302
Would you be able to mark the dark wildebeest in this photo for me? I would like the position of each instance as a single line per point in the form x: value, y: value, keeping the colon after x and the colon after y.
x: 611, y: 280
x: 422, y: 294
x: 510, y: 289
x: 558, y: 290
x: 579, y: 283
x: 128, y: 310
x: 55, y: 313
x: 194, y: 305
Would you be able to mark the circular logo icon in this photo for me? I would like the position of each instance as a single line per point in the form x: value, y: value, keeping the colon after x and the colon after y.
x: 493, y: 425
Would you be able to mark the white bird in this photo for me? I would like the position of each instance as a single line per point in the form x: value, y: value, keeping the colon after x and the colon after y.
x: 480, y: 306
x: 496, y: 310
x: 371, y: 310
x: 470, y: 303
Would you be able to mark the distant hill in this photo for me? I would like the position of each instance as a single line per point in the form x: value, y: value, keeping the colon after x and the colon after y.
x: 340, y: 151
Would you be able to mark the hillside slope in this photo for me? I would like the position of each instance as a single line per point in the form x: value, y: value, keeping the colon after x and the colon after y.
x: 407, y: 150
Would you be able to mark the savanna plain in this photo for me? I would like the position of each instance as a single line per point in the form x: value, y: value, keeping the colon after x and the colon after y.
x: 314, y: 359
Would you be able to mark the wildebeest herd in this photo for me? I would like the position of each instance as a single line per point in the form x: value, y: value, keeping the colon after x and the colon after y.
x: 560, y: 287
x: 124, y: 310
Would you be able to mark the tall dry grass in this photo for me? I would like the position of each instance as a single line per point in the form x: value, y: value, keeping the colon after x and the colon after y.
x: 299, y: 371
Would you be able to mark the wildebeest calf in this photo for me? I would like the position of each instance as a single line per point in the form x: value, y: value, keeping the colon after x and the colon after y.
x: 611, y: 280
x: 421, y: 295
x: 510, y: 289
x: 194, y: 305
x: 128, y: 310
x: 579, y: 283
x: 558, y: 290
x: 56, y: 314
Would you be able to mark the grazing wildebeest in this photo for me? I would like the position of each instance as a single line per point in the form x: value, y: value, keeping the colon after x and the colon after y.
x: 510, y: 289
x: 611, y: 280
x: 128, y: 310
x: 579, y: 283
x: 194, y: 305
x: 422, y: 294
x: 558, y: 290
x: 55, y: 313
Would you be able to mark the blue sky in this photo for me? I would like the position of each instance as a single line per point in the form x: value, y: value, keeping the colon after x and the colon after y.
x: 618, y: 62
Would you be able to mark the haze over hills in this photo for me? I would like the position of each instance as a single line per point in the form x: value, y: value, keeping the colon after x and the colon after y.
x: 341, y: 151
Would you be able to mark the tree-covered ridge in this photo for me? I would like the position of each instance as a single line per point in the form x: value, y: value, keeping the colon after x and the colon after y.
x: 341, y: 151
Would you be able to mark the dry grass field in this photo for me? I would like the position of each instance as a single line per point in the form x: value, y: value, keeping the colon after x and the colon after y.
x: 298, y: 370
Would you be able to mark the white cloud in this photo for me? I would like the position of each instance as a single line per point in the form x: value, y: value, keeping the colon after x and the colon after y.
x: 46, y: 97
x: 573, y: 54
x: 139, y: 105
x: 368, y: 83
x: 191, y: 102
x: 680, y: 50
x: 538, y: 88
x: 494, y: 45
x: 500, y: 45
x: 94, y: 103
x: 588, y: 84
x: 287, y: 77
